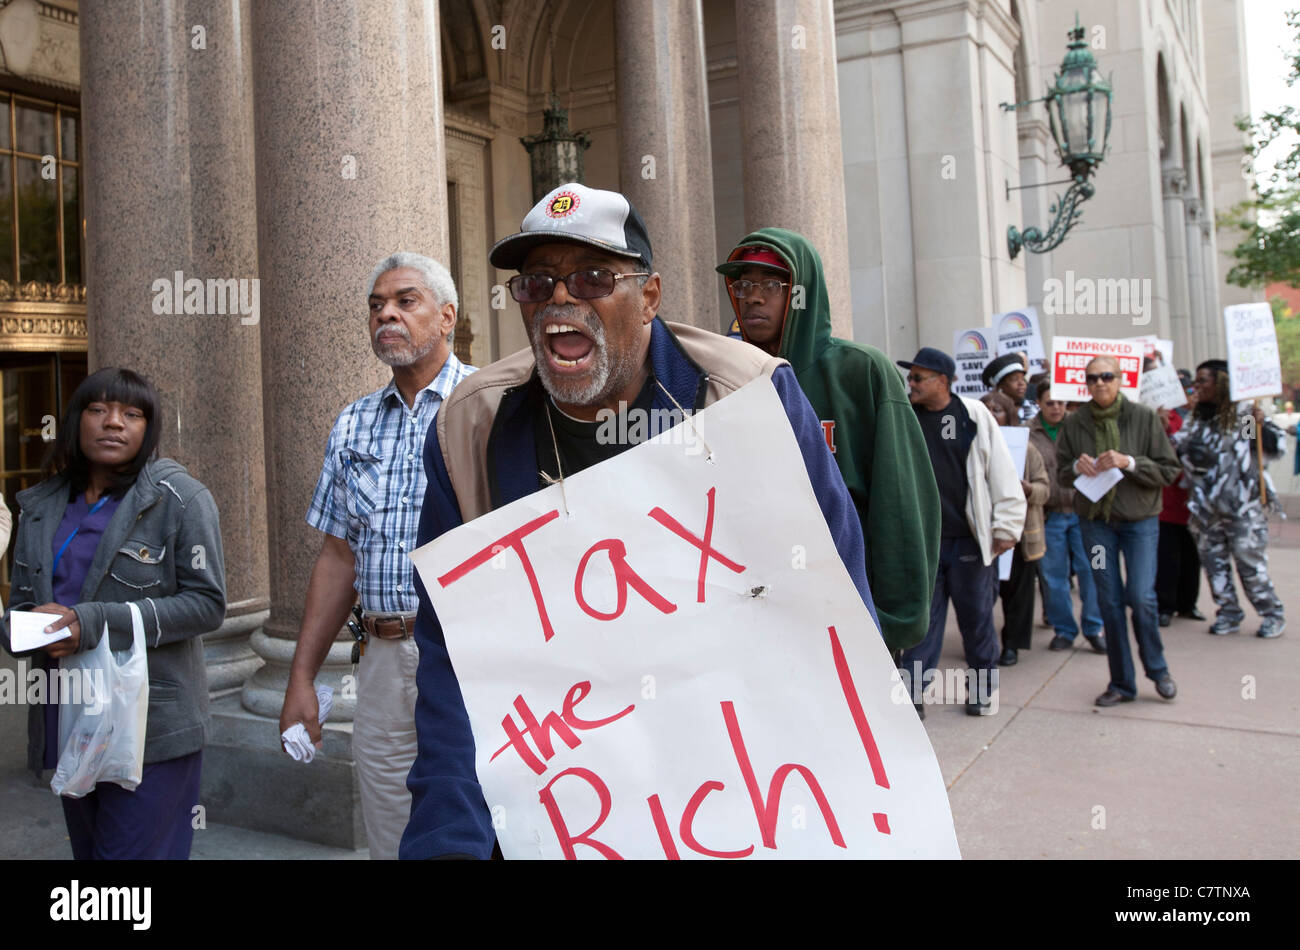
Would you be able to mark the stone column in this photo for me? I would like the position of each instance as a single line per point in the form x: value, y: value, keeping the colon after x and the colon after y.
x: 1197, y: 316
x: 350, y: 167
x: 790, y: 123
x: 170, y: 216
x: 665, y: 167
x: 1216, y: 344
x: 1180, y: 329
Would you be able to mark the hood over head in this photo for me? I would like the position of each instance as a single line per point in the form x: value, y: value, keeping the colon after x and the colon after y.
x: 807, y: 329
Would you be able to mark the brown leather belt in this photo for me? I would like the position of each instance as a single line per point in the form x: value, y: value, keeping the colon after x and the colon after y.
x: 389, y: 628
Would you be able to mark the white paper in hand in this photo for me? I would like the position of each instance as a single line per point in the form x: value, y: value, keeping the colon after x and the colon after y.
x: 1095, y: 486
x: 27, y: 630
x: 296, y: 741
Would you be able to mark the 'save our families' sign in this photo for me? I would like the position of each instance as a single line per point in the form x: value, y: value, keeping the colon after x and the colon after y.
x: 665, y: 658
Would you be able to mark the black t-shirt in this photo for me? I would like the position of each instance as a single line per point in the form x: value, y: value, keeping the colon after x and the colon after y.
x: 583, y: 444
x: 949, y: 433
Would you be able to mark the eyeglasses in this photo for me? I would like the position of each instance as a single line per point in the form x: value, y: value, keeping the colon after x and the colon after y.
x: 1091, y: 378
x: 918, y: 378
x: 587, y: 284
x: 767, y: 287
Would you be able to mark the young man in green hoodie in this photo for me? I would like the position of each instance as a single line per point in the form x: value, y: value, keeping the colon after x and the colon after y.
x: 775, y: 282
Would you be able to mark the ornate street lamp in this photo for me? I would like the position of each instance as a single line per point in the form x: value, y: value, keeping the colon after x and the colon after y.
x: 555, y: 154
x: 1078, y: 113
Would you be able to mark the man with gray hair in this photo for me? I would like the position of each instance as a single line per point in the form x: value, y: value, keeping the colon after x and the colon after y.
x: 367, y: 504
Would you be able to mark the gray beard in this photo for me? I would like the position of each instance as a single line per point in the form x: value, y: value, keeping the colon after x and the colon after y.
x: 605, y: 374
x: 402, y: 354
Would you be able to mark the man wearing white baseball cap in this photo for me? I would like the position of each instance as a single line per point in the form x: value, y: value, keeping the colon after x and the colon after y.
x: 589, y: 296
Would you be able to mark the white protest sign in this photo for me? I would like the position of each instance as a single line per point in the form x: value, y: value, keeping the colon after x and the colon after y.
x: 1017, y: 440
x: 1019, y: 332
x: 1162, y: 389
x: 972, y: 349
x: 1165, y: 352
x: 1254, y: 364
x: 1072, y: 354
x: 679, y: 666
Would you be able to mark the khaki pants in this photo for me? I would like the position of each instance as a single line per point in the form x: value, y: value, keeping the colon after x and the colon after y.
x: 383, y: 740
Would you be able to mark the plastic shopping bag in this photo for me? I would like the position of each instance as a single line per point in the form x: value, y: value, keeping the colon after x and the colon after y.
x: 103, y: 709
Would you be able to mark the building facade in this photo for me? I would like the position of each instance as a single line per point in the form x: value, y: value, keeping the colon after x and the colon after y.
x: 200, y: 192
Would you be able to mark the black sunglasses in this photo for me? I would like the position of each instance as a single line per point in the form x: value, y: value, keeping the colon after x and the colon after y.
x: 586, y: 284
x: 1092, y: 378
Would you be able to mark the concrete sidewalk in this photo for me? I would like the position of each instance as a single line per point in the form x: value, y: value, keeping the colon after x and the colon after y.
x: 1212, y: 774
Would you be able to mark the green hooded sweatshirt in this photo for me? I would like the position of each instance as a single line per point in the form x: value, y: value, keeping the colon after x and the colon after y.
x: 872, y: 430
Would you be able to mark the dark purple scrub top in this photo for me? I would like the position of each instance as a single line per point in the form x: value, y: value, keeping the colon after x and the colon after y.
x: 69, y: 577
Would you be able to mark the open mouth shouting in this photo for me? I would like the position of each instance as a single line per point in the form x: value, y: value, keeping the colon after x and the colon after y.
x: 570, y: 344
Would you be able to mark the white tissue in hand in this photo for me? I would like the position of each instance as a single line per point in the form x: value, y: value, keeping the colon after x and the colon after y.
x: 296, y: 741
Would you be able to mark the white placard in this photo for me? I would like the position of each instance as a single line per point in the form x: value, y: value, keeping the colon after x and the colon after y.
x: 699, y: 660
x: 1017, y: 440
x: 1071, y: 355
x: 972, y: 349
x: 1019, y: 332
x: 27, y: 630
x: 1162, y: 389
x: 1254, y: 364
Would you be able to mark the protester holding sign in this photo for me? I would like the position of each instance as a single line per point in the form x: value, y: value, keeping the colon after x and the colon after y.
x: 1017, y: 591
x: 776, y: 286
x: 589, y: 299
x: 1116, y: 455
x: 1219, y: 453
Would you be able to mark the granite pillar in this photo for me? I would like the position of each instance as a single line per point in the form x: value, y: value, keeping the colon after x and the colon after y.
x: 790, y: 122
x: 663, y: 138
x: 350, y: 167
x: 1216, y: 344
x: 168, y: 138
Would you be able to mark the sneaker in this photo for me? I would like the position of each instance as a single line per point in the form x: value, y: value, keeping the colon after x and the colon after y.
x: 1060, y: 643
x: 1272, y: 627
x: 1222, y: 627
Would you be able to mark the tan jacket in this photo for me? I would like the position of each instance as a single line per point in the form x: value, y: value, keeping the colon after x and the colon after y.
x: 1033, y: 543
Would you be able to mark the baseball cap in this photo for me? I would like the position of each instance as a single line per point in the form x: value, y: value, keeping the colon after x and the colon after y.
x: 745, y: 257
x: 575, y: 214
x: 927, y: 357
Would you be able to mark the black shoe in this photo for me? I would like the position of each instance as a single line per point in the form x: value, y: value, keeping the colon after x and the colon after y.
x: 1166, y: 618
x: 1096, y: 641
x: 1165, y: 686
x: 1060, y: 643
x: 1008, y: 657
x: 1111, y: 698
x: 920, y: 710
x: 979, y: 707
x: 1192, y: 614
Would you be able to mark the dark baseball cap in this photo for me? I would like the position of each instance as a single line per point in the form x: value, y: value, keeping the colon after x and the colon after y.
x: 573, y: 213
x: 927, y: 357
x: 743, y: 258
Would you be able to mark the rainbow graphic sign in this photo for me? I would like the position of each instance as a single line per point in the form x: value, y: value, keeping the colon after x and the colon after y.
x: 1018, y: 332
x: 972, y: 350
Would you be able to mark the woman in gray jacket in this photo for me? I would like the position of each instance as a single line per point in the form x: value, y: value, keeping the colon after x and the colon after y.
x: 110, y: 525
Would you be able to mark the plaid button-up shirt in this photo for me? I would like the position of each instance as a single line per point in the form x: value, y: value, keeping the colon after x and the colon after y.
x: 372, y: 484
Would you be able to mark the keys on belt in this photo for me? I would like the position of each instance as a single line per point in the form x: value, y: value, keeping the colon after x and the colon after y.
x: 385, y: 628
